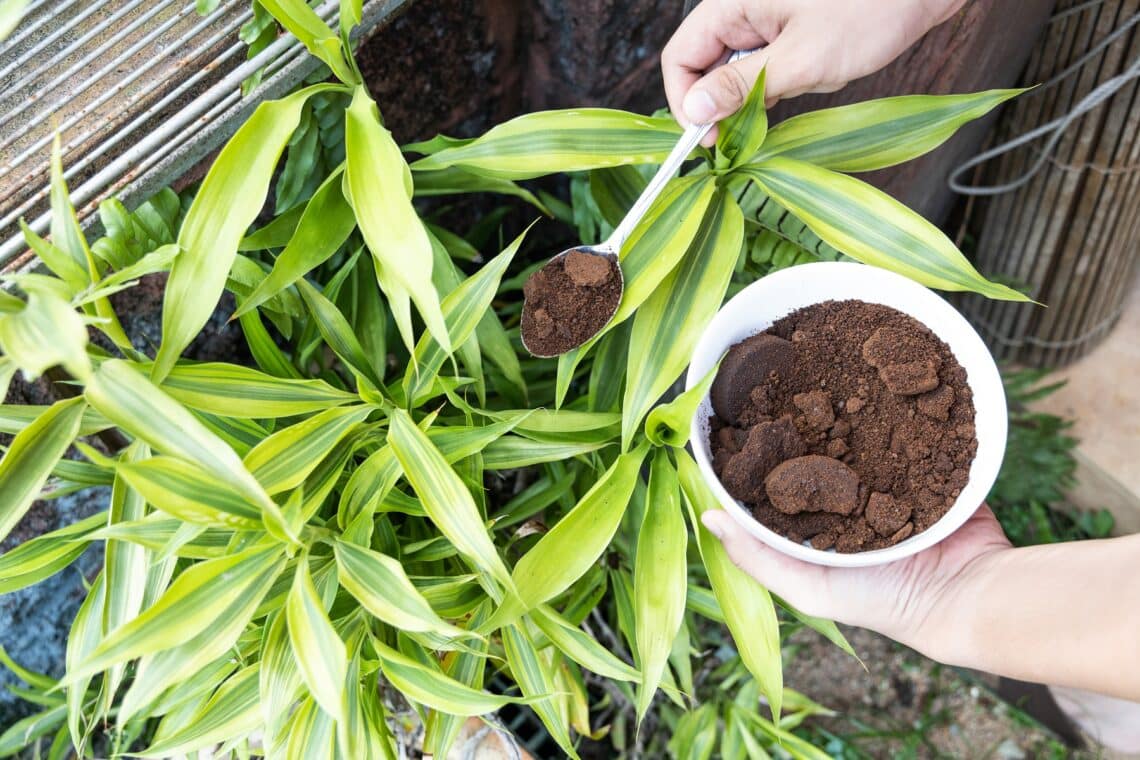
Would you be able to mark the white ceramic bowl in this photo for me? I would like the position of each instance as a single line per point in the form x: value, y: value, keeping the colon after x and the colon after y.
x: 763, y: 302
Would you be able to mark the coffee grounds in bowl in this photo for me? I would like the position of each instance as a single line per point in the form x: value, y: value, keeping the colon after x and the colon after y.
x: 846, y: 424
x: 568, y: 301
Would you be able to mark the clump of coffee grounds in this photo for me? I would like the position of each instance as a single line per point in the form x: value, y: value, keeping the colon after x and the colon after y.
x: 846, y: 424
x: 568, y: 301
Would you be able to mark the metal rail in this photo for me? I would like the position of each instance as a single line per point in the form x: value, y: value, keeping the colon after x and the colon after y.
x: 148, y: 90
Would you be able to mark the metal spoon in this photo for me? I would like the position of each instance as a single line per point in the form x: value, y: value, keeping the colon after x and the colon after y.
x: 611, y: 247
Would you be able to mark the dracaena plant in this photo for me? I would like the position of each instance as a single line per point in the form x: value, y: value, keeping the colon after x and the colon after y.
x: 383, y: 523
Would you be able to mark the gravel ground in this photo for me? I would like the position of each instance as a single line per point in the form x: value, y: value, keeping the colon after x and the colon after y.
x: 905, y: 705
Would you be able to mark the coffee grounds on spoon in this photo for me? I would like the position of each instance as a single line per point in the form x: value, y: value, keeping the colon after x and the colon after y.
x: 568, y: 301
x: 846, y: 424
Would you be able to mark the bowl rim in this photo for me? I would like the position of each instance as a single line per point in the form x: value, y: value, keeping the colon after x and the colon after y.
x: 874, y: 285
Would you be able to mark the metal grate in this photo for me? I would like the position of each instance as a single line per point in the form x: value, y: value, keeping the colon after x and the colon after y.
x: 139, y: 91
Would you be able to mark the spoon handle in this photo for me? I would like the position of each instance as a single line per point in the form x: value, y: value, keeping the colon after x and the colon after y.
x: 690, y: 139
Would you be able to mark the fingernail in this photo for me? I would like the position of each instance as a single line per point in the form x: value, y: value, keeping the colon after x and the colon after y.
x: 711, y: 521
x: 699, y: 107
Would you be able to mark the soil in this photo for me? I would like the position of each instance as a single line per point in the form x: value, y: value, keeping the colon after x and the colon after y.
x: 846, y: 424
x: 568, y: 301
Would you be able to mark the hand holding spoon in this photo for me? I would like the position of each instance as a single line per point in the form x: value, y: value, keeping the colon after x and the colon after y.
x: 577, y: 292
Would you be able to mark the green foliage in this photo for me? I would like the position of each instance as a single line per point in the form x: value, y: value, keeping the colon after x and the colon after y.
x: 395, y: 505
x: 1029, y: 494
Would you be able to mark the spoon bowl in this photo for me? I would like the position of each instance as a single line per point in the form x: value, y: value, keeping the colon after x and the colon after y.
x: 570, y: 300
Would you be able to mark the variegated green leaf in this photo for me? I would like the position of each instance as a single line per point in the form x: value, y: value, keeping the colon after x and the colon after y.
x: 869, y: 225
x: 312, y: 733
x: 133, y: 403
x: 381, y: 586
x: 44, y: 556
x: 670, y: 424
x: 304, y: 23
x: 231, y: 712
x: 85, y: 634
x: 432, y: 688
x: 45, y: 333
x: 230, y: 390
x: 279, y: 681
x: 512, y: 452
x: 229, y: 200
x: 560, y: 141
x: 336, y: 331
x: 668, y: 324
x: 875, y: 134
x: 380, y: 190
x: 124, y: 565
x: 742, y: 134
x: 463, y: 310
x: 323, y: 227
x: 466, y: 667
x: 580, y: 646
x: 747, y: 607
x: 444, y: 496
x: 29, y: 460
x: 535, y: 677
x: 455, y: 180
x: 320, y: 653
x: 188, y: 492
x: 191, y: 605
x: 659, y: 576
x: 564, y: 554
x: 284, y: 459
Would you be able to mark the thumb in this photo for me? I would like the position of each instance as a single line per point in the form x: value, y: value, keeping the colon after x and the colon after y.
x: 800, y: 583
x: 722, y: 91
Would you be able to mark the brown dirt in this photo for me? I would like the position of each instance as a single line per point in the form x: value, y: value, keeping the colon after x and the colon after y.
x: 568, y: 301
x: 905, y: 705
x: 846, y: 423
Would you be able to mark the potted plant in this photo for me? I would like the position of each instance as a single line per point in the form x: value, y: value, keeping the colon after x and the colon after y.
x: 396, y: 503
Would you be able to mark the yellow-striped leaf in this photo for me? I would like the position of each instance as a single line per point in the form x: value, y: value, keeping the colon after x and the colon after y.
x: 535, y: 677
x: 45, y: 333
x: 30, y: 458
x: 670, y: 424
x: 875, y: 134
x: 746, y: 605
x: 45, y: 555
x: 444, y: 496
x: 230, y: 390
x: 231, y: 712
x: 226, y: 204
x: 869, y: 225
x: 568, y: 550
x: 186, y: 491
x: 580, y: 646
x: 379, y: 583
x: 549, y: 142
x: 284, y: 459
x: 379, y: 187
x: 741, y: 134
x: 668, y: 324
x: 191, y: 605
x: 659, y: 576
x: 463, y: 309
x: 279, y: 681
x: 429, y: 687
x: 134, y: 404
x: 320, y: 653
x: 304, y: 24
x: 323, y: 227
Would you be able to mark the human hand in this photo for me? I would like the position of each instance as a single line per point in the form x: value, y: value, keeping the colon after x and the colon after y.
x: 907, y: 600
x: 810, y: 46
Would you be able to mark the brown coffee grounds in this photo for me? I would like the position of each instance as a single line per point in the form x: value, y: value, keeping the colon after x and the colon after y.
x: 846, y: 424
x: 568, y: 301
